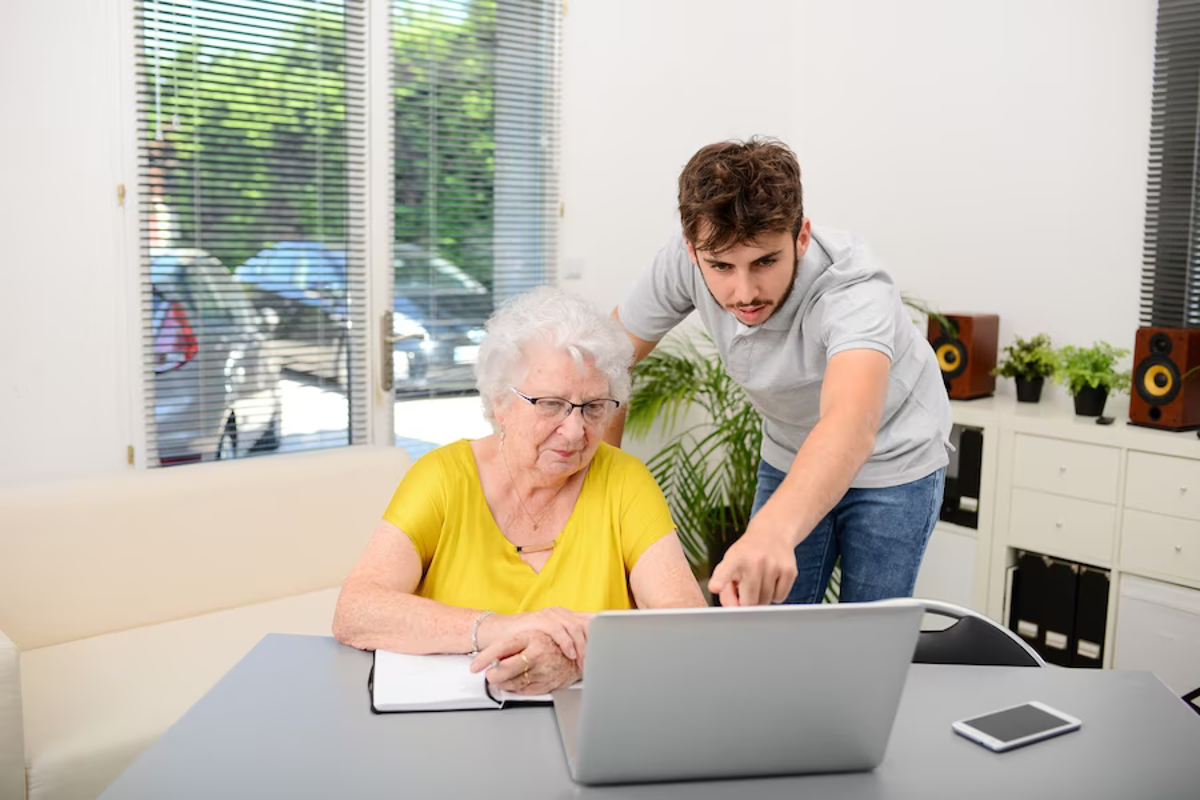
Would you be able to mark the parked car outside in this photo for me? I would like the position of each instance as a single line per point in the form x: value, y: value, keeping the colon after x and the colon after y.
x: 216, y: 384
x: 452, y: 306
x: 438, y: 313
x: 304, y: 285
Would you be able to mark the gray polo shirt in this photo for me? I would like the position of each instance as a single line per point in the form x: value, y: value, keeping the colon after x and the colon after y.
x: 841, y: 300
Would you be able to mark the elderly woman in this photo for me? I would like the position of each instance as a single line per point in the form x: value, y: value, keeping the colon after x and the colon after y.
x: 501, y: 546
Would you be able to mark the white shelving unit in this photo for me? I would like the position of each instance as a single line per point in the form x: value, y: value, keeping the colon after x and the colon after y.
x: 1116, y: 496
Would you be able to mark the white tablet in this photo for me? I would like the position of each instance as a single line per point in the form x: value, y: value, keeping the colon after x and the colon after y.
x: 1016, y: 726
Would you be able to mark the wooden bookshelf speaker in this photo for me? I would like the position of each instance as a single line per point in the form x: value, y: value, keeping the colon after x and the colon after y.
x: 968, y: 357
x: 1162, y: 397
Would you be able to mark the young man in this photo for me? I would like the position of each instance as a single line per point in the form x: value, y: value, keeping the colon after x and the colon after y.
x: 856, y: 421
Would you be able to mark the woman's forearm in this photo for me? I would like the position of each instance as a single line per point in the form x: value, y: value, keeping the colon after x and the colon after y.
x: 373, y: 617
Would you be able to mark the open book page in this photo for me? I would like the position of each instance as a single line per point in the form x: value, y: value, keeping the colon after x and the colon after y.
x: 404, y: 682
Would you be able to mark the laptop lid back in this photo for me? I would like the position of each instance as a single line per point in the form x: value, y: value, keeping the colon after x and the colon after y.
x: 709, y: 693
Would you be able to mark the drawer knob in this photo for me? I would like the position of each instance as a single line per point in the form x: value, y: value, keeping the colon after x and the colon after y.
x: 1062, y: 467
x: 1178, y: 548
x: 1183, y: 490
x: 1058, y: 523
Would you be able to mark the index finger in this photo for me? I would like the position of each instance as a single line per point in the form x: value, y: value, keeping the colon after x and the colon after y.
x: 507, y: 670
x: 563, y: 637
x: 720, y: 578
x: 577, y: 629
x: 729, y: 596
x: 497, y: 651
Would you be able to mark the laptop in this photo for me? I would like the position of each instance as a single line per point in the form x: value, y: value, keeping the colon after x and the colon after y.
x: 685, y: 694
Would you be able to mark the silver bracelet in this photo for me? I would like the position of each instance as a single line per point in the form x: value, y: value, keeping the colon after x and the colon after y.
x: 475, y: 631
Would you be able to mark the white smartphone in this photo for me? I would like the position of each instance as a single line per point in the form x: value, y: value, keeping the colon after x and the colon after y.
x: 1016, y: 726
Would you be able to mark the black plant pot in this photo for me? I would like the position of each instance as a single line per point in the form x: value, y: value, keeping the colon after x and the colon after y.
x: 1029, y: 390
x: 1090, y: 401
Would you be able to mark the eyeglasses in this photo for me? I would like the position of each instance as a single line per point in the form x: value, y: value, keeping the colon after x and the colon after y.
x: 594, y: 412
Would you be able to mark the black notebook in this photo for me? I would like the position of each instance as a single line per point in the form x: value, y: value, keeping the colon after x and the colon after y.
x: 404, y: 682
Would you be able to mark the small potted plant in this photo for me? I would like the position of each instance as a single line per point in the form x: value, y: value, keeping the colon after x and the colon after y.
x: 1029, y: 362
x: 1090, y: 373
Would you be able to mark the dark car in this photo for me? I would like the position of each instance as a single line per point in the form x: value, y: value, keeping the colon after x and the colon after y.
x: 216, y: 384
x: 438, y: 313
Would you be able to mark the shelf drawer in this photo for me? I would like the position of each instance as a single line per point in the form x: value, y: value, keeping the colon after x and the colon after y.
x: 1160, y: 545
x: 1163, y: 484
x: 1062, y: 526
x: 1086, y: 471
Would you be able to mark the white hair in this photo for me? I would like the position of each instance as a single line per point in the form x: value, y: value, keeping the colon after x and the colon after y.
x: 561, y: 320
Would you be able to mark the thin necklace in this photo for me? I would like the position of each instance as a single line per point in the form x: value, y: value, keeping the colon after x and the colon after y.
x: 532, y: 548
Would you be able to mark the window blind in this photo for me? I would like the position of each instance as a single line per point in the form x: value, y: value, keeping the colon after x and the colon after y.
x: 1170, y: 292
x: 475, y: 104
x: 252, y: 220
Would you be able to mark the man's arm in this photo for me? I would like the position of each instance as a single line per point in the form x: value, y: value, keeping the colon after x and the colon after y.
x: 641, y: 349
x: 761, y: 566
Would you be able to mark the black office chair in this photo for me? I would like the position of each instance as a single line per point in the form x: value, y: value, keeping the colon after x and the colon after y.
x: 1192, y: 698
x: 972, y: 639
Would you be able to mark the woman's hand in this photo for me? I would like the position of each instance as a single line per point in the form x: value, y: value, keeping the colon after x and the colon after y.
x: 566, y: 628
x: 528, y: 662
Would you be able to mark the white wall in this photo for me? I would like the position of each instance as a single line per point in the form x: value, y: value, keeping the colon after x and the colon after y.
x: 994, y: 153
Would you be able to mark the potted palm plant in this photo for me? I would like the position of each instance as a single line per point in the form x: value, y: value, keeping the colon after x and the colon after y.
x: 1029, y: 362
x: 707, y: 470
x: 1090, y: 374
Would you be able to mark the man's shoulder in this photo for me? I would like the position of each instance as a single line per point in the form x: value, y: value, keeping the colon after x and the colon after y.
x: 845, y: 259
x: 663, y: 295
x: 673, y: 252
x: 842, y: 246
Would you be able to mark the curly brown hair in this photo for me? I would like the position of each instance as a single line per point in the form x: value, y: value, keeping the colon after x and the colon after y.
x: 733, y: 192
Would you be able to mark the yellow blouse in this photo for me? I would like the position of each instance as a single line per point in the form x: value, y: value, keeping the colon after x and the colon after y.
x: 467, y: 562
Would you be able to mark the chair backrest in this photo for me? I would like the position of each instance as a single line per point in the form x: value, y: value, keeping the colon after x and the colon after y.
x: 971, y: 639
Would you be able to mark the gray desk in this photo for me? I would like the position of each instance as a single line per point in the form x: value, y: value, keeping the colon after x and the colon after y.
x: 292, y: 720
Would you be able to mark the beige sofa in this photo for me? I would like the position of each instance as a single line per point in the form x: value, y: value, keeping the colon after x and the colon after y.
x: 124, y: 598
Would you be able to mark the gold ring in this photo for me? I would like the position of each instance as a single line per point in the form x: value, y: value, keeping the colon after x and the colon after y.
x: 526, y: 660
x: 528, y: 680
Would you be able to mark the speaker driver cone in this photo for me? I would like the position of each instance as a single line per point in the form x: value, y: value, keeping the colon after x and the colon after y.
x: 951, y: 356
x: 1157, y: 380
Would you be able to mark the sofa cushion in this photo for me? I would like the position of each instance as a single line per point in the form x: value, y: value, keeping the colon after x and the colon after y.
x: 92, y: 705
x: 12, y: 753
x: 86, y: 557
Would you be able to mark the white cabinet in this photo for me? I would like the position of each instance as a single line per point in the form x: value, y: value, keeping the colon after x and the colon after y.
x: 1120, y: 497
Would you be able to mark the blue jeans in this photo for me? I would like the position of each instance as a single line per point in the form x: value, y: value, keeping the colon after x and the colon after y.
x: 879, y: 533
